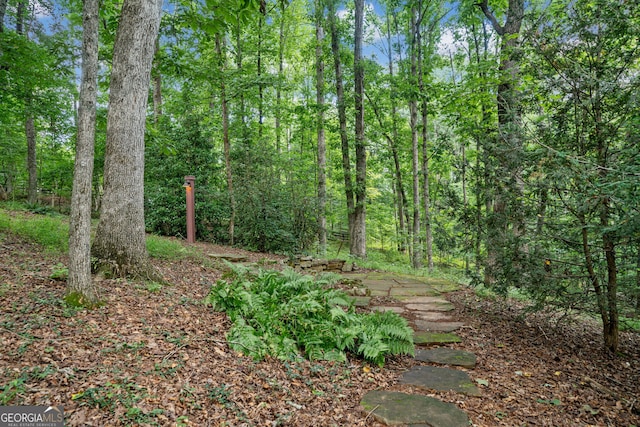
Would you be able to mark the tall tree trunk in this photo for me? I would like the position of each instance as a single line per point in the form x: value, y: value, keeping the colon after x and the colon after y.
x: 225, y: 138
x: 425, y: 155
x: 507, y: 222
x: 612, y: 323
x: 79, y: 282
x: 20, y: 10
x: 401, y: 196
x: 322, y: 149
x: 482, y: 136
x: 416, y: 259
x: 359, y: 237
x: 426, y: 196
x: 342, y: 118
x: 403, y: 214
x: 29, y: 121
x: 120, y: 245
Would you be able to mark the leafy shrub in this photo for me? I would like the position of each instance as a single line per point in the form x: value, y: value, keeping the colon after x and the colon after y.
x: 281, y: 314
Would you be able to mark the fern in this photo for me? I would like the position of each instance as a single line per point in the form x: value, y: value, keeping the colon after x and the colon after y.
x: 284, y: 313
x: 373, y: 349
x: 243, y: 339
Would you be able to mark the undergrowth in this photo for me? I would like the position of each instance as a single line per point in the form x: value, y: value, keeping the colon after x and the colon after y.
x: 281, y: 314
x: 52, y: 232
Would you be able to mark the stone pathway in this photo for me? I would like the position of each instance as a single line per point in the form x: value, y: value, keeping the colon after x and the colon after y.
x: 422, y: 301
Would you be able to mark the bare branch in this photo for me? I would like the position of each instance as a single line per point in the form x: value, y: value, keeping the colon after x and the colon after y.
x: 484, y: 6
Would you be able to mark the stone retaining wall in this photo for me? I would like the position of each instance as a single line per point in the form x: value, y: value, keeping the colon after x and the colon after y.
x: 309, y: 264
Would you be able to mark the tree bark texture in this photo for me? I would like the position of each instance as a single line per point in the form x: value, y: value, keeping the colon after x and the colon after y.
x: 359, y: 237
x: 79, y: 281
x: 120, y: 244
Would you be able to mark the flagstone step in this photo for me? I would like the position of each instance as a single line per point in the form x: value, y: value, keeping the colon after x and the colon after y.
x: 395, y: 408
x: 421, y: 301
x: 428, y: 338
x: 425, y: 299
x: 395, y: 309
x: 432, y: 316
x: 411, y: 291
x: 440, y: 379
x: 432, y: 306
x: 359, y: 301
x: 423, y: 325
x: 447, y: 356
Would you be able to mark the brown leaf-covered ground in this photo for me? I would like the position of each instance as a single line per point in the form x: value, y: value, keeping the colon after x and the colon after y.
x: 155, y: 355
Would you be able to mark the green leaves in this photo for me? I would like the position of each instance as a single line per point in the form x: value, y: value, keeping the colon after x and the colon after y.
x: 283, y: 314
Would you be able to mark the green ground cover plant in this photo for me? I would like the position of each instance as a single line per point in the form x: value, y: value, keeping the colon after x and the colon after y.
x: 51, y: 231
x: 166, y: 248
x: 284, y: 314
x: 12, y: 390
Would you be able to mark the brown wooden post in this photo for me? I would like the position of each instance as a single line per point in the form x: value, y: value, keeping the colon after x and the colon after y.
x: 189, y: 185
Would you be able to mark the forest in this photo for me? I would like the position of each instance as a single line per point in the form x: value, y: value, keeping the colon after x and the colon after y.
x: 500, y: 138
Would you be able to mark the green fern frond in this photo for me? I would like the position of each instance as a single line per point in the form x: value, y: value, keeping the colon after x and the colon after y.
x: 373, y: 350
x: 278, y: 313
x: 334, y: 355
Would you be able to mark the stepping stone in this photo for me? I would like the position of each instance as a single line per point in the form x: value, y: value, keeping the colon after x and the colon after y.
x: 413, y: 291
x: 409, y: 280
x: 424, y: 337
x: 447, y: 356
x: 445, y: 286
x: 393, y: 408
x: 381, y: 275
x: 378, y: 287
x: 426, y: 300
x: 432, y: 316
x: 398, y: 310
x: 431, y: 306
x: 438, y: 326
x: 440, y: 379
x: 361, y: 301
